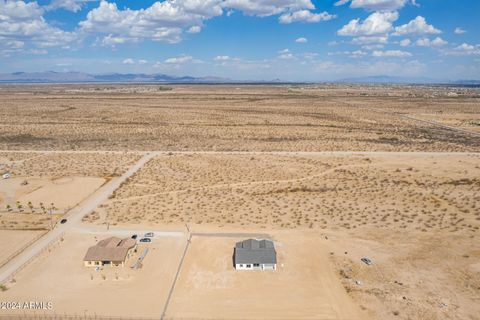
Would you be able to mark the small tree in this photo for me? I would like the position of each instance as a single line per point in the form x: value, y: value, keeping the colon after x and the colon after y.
x: 42, y: 206
x: 19, y: 206
x: 9, y: 208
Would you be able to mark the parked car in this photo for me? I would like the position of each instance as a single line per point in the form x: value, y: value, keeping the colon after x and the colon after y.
x: 134, y: 237
x: 367, y: 261
x: 145, y: 240
x: 63, y: 221
x: 149, y: 235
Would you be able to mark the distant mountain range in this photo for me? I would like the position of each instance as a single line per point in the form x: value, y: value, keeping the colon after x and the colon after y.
x: 80, y: 77
x: 406, y: 80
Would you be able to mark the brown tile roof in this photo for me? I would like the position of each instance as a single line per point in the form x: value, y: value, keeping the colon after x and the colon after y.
x: 110, y: 249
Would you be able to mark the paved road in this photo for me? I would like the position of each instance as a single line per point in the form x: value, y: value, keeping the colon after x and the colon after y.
x: 74, y: 218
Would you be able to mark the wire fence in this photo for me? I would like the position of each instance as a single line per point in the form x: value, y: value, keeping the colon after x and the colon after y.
x: 59, y: 316
x: 67, y: 317
x: 16, y: 253
x: 26, y: 263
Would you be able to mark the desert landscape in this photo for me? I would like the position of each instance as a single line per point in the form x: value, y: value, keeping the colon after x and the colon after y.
x: 330, y: 173
x: 237, y: 118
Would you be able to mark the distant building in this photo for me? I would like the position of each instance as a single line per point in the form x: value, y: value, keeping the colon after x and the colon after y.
x: 255, y: 255
x: 112, y: 251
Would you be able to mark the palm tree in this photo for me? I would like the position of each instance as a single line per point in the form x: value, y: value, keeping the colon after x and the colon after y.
x: 30, y: 205
x: 42, y: 206
x: 52, y: 207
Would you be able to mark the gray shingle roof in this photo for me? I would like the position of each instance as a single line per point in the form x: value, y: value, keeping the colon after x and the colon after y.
x: 255, y: 251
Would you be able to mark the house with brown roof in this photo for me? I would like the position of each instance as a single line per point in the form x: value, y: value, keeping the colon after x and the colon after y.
x: 112, y: 251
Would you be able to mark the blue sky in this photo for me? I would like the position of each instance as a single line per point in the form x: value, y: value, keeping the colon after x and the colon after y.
x: 296, y: 40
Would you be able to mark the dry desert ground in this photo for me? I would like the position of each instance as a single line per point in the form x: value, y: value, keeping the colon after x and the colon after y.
x: 330, y: 173
x: 247, y: 118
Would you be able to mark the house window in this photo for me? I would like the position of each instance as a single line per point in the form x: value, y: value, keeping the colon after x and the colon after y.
x: 256, y: 264
x: 97, y: 262
x: 241, y: 265
x: 249, y: 265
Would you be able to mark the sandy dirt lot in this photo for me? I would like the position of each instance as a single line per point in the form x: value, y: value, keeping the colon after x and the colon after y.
x: 11, y: 241
x: 63, y: 192
x: 42, y: 178
x: 305, y: 286
x: 29, y: 206
x: 414, y: 276
x: 59, y: 276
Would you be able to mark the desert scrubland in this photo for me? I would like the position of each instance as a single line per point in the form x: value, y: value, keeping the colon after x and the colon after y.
x: 249, y: 118
x: 403, y: 190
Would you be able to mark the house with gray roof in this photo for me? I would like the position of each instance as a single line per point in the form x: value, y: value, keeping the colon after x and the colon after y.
x: 254, y: 254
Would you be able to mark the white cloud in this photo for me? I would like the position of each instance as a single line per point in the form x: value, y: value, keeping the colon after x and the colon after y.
x: 301, y: 40
x: 21, y: 21
x: 285, y: 54
x: 464, y: 49
x: 163, y: 21
x: 166, y: 20
x: 459, y: 30
x: 358, y: 54
x: 425, y: 42
x: 221, y: 58
x: 417, y: 26
x: 268, y: 7
x: 392, y: 53
x: 128, y: 61
x: 437, y: 42
x: 369, y: 40
x: 378, y: 23
x: 112, y: 41
x: 19, y: 10
x: 375, y: 5
x: 372, y: 47
x: 352, y: 54
x: 194, y: 29
x: 179, y: 60
x: 305, y: 16
x: 70, y: 5
x: 405, y: 42
x: 142, y: 61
